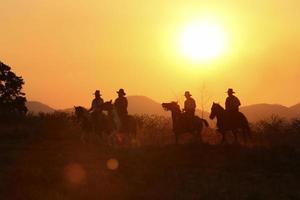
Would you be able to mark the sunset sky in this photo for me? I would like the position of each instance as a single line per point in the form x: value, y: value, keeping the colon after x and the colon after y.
x: 66, y: 49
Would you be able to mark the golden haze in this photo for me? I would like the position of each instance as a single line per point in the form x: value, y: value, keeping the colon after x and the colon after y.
x: 66, y: 49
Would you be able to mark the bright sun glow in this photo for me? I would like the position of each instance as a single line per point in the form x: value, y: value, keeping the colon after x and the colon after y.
x: 202, y: 40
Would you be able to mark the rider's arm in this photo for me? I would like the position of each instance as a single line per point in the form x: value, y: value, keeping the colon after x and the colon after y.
x: 227, y: 103
x: 194, y: 104
x: 92, y: 106
x: 101, y: 101
x: 184, y: 106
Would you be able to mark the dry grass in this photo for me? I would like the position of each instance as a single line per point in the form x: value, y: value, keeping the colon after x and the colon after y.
x: 42, y: 157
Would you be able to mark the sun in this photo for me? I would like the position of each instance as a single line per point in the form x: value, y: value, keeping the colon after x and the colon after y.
x: 202, y: 40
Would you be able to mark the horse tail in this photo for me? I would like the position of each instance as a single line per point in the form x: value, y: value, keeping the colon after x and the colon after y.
x: 245, y: 122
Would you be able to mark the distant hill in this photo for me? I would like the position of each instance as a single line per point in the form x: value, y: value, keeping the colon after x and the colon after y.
x: 145, y: 105
x: 258, y: 112
x: 139, y: 105
x: 36, y: 107
x: 294, y: 111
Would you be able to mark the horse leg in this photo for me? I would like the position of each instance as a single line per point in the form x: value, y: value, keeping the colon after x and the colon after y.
x: 247, y: 135
x: 223, y: 137
x: 199, y: 131
x: 112, y: 138
x: 98, y: 134
x: 200, y: 136
x: 176, y: 137
x: 89, y: 134
x: 82, y: 137
x: 105, y: 136
x: 235, y: 136
x: 86, y: 133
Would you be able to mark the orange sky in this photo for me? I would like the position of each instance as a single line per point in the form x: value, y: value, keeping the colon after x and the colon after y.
x: 66, y: 49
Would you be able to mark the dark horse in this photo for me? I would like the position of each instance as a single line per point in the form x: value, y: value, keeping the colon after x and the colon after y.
x: 181, y: 124
x: 226, y: 122
x: 126, y: 127
x: 93, y: 123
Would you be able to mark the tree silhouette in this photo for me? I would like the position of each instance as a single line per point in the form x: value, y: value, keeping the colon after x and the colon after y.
x: 12, y: 99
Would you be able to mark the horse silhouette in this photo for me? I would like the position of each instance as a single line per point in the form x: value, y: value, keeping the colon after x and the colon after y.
x: 181, y: 124
x: 226, y: 122
x: 97, y: 123
x: 127, y: 128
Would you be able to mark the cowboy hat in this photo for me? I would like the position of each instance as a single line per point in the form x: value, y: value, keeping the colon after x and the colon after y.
x: 97, y: 92
x: 187, y: 93
x: 230, y: 91
x: 121, y: 92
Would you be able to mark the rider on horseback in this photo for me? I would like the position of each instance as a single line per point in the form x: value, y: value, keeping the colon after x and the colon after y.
x: 189, y: 108
x: 96, y: 111
x: 232, y: 102
x: 232, y: 105
x: 189, y: 104
x: 230, y: 119
x: 96, y: 103
x: 121, y: 105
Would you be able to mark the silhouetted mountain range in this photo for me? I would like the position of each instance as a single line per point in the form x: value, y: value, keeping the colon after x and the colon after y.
x: 262, y: 111
x: 145, y: 105
x: 36, y: 107
x: 257, y: 112
x: 140, y: 105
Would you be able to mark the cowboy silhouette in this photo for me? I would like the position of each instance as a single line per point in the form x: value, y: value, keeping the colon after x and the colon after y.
x: 121, y: 105
x: 232, y: 107
x: 189, y: 109
x: 232, y: 102
x: 96, y: 111
x: 96, y: 103
x: 189, y: 105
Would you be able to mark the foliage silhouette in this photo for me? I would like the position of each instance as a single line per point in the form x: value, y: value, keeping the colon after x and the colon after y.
x: 12, y: 99
x: 38, y: 147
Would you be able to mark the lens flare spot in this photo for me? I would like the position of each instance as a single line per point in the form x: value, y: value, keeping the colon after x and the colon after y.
x: 112, y: 164
x: 75, y: 174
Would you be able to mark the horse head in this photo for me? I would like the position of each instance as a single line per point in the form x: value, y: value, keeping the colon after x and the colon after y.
x: 172, y: 106
x: 80, y: 111
x: 107, y: 106
x: 215, y: 110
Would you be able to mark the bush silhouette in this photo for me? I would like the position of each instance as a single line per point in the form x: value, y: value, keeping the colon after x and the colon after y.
x: 12, y: 99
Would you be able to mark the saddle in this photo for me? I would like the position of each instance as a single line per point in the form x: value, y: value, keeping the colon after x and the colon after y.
x: 189, y: 121
x: 234, y: 118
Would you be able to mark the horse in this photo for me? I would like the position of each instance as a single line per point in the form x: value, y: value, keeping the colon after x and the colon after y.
x: 126, y: 127
x: 227, y: 122
x: 92, y: 122
x: 181, y: 122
